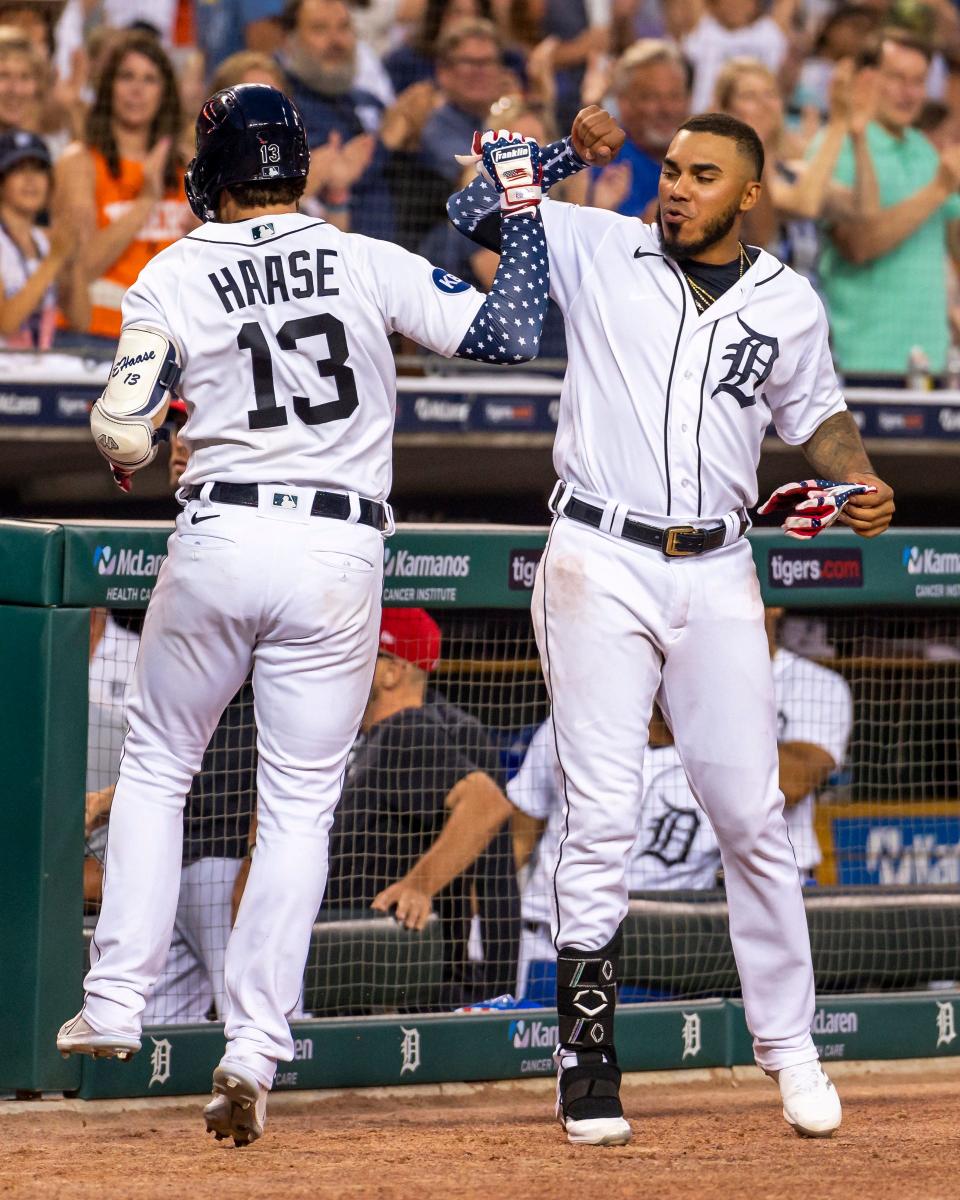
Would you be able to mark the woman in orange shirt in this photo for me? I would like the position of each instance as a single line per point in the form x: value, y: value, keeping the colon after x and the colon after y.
x: 122, y: 188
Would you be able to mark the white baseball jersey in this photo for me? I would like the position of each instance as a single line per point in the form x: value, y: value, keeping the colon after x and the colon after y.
x: 814, y: 704
x: 310, y: 398
x: 676, y: 847
x: 662, y: 409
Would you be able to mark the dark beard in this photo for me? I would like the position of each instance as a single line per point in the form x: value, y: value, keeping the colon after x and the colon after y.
x: 715, y: 232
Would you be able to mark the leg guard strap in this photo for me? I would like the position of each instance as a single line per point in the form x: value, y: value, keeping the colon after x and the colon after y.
x: 591, y: 1089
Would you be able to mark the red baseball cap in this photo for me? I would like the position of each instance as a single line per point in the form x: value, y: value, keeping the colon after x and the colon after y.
x: 411, y: 634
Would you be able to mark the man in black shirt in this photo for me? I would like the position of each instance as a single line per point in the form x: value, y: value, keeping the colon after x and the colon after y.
x: 421, y: 820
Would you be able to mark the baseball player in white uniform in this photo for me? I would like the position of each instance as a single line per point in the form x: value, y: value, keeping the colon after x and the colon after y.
x: 683, y: 344
x: 273, y: 327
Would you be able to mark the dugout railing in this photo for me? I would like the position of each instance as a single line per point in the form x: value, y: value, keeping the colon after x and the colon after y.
x: 885, y: 920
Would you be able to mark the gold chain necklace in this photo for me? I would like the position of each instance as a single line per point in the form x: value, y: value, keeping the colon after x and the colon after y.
x: 701, y: 297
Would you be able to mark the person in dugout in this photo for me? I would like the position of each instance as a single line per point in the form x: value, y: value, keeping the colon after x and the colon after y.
x: 422, y: 823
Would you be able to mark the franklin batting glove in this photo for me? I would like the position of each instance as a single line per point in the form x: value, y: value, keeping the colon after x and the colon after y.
x: 815, y: 504
x: 511, y: 164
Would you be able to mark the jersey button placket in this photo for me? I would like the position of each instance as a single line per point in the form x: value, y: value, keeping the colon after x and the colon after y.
x: 683, y: 449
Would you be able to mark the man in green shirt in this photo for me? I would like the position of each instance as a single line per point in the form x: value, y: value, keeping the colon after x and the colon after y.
x: 883, y: 272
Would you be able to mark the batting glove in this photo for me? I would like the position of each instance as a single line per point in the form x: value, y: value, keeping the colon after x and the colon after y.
x: 123, y: 479
x: 510, y: 163
x: 815, y: 504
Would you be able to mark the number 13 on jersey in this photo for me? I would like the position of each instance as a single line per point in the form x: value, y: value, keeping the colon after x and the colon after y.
x: 269, y: 413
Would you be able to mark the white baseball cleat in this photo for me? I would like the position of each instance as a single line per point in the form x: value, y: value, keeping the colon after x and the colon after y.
x: 238, y: 1108
x: 600, y: 1131
x: 77, y: 1036
x: 588, y: 1106
x: 810, y: 1101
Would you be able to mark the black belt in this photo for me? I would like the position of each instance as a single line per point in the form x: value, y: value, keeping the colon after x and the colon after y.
x: 676, y: 541
x: 325, y: 504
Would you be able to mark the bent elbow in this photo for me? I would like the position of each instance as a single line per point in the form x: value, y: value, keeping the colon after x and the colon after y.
x: 852, y: 249
x: 858, y: 255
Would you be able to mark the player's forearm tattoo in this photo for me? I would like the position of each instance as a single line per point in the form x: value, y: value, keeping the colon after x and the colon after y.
x: 508, y: 326
x: 836, y: 448
x: 475, y: 210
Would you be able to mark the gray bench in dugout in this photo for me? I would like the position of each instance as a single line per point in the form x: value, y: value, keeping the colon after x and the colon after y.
x: 362, y: 963
x: 679, y: 943
x: 675, y: 945
x: 367, y: 963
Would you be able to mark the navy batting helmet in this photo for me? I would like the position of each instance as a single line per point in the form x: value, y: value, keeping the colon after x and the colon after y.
x: 251, y: 133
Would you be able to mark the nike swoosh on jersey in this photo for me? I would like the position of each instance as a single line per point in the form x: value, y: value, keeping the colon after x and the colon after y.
x: 196, y: 518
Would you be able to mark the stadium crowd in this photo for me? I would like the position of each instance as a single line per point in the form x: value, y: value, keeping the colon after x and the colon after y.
x: 857, y: 104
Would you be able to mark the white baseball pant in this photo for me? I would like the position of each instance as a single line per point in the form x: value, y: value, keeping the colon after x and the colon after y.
x: 298, y: 598
x: 619, y: 625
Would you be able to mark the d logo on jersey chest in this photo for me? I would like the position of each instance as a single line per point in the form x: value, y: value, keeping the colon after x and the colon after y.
x: 749, y: 362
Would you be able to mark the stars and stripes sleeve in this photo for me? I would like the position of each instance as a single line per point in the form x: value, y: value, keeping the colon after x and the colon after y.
x: 475, y: 209
x: 444, y: 313
x: 508, y: 326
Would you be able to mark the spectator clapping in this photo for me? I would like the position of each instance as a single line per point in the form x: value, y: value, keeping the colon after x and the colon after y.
x: 32, y: 260
x: 122, y: 187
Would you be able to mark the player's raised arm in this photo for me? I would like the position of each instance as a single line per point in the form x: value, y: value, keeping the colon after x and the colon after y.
x: 508, y: 325
x: 595, y: 140
x: 447, y: 315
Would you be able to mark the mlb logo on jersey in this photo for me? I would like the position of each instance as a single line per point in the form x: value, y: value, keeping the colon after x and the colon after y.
x: 284, y: 500
x: 261, y: 231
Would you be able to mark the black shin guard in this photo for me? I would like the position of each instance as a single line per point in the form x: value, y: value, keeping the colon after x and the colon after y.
x: 586, y: 1002
x: 587, y: 996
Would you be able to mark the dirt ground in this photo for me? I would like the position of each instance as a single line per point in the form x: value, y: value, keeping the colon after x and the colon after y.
x: 708, y: 1140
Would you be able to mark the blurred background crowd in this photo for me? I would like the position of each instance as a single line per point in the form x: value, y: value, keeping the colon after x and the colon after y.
x: 858, y: 105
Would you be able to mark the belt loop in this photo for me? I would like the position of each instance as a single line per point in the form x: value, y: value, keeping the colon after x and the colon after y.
x: 205, y: 492
x: 613, y: 517
x: 559, y: 497
x: 354, y: 516
x: 391, y: 525
x: 737, y: 523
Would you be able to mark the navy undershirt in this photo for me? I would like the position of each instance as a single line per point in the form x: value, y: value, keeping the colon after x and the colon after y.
x: 716, y: 278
